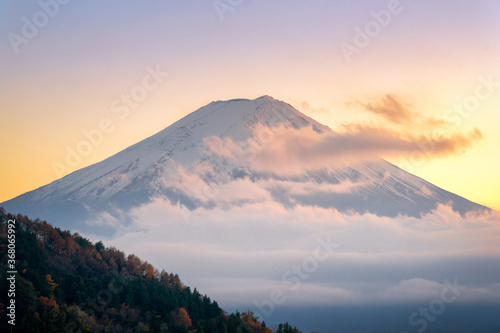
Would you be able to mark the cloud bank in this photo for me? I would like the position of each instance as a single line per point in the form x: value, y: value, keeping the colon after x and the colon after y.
x: 240, y: 253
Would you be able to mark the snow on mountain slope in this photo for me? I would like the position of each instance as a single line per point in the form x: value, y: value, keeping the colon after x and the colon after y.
x: 151, y: 168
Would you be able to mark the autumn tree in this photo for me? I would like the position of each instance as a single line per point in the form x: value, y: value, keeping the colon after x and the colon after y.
x: 182, y: 319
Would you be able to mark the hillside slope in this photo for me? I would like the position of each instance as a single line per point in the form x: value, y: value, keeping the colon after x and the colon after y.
x: 65, y: 283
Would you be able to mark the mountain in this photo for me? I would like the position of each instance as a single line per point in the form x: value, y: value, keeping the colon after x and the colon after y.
x: 151, y: 167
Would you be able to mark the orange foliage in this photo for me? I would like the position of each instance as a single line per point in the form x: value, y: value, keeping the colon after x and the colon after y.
x: 51, y: 282
x: 49, y: 303
x: 182, y: 319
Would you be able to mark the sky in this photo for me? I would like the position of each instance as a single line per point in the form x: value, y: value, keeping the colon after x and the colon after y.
x: 67, y: 67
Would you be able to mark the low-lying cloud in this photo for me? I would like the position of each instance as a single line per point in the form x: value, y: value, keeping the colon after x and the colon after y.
x: 238, y: 254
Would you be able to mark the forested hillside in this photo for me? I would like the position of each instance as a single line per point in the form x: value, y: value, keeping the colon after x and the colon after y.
x: 65, y: 283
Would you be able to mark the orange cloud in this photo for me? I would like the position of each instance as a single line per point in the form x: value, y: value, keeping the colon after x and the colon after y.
x: 292, y: 151
x: 396, y: 111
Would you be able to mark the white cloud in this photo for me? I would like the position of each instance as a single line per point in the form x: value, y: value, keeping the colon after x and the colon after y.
x: 239, y: 253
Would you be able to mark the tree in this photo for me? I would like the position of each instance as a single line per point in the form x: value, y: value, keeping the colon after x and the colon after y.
x: 252, y: 321
x: 163, y: 328
x: 99, y: 246
x: 182, y: 319
x: 142, y: 328
x: 287, y: 328
x: 49, y: 314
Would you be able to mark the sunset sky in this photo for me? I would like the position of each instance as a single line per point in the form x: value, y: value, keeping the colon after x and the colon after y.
x: 426, y: 69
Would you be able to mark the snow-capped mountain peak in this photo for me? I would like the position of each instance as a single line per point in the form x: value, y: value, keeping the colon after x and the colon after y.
x: 152, y: 167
